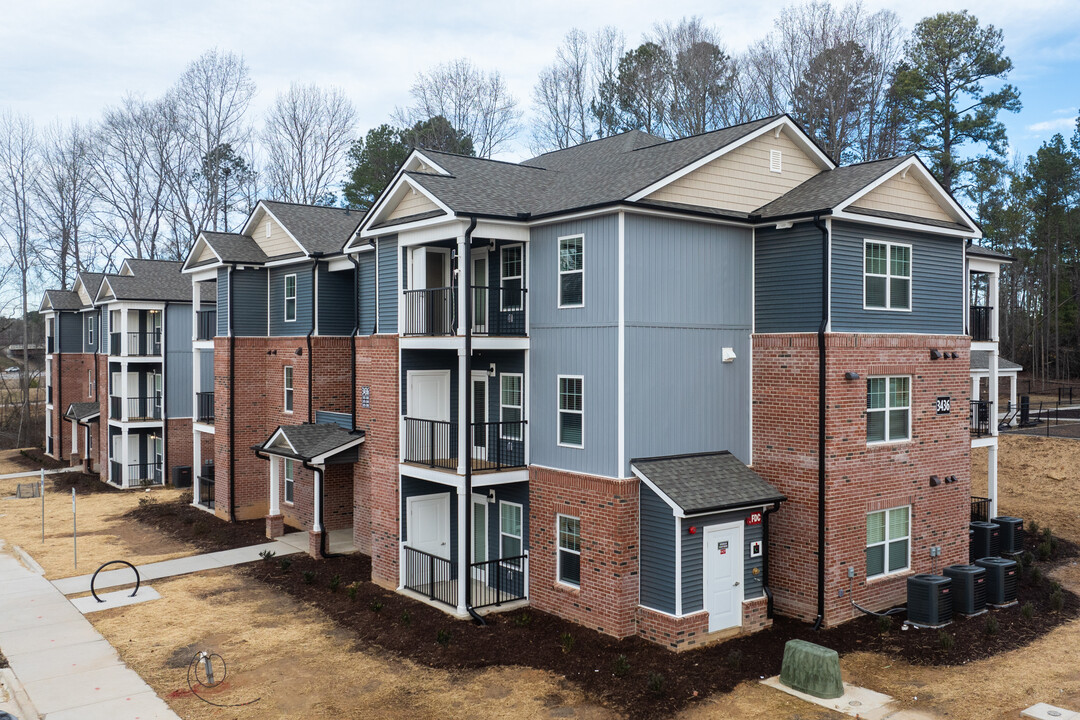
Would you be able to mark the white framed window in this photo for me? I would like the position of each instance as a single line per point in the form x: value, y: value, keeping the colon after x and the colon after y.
x: 569, y: 560
x: 89, y: 383
x: 886, y: 276
x: 572, y: 271
x: 510, y: 532
x: 289, y: 484
x: 512, y: 267
x: 888, y: 409
x: 290, y: 298
x: 510, y: 405
x: 571, y: 411
x: 888, y: 534
x: 90, y: 326
x: 288, y: 406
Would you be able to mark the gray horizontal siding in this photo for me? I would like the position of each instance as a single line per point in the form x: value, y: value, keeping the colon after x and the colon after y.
x: 222, y: 301
x: 693, y: 558
x: 334, y: 418
x: 601, y: 281
x: 366, y: 294
x: 937, y: 283
x: 337, y: 301
x: 787, y: 279
x: 71, y: 332
x: 304, y: 299
x: 657, y: 552
x: 389, y: 284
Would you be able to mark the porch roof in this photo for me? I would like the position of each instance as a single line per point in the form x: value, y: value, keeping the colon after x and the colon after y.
x: 311, y: 442
x: 83, y: 411
x: 980, y: 360
x: 705, y: 482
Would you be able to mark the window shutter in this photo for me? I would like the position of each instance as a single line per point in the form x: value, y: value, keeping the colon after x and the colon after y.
x: 775, y: 161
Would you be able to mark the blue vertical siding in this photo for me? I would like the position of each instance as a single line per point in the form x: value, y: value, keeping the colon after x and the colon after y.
x: 206, y: 370
x: 304, y: 297
x: 222, y: 301
x: 389, y: 284
x: 71, y: 332
x: 178, y: 361
x: 787, y: 279
x: 937, y: 282
x: 657, y: 552
x: 693, y: 582
x: 515, y: 493
x: 88, y: 317
x: 249, y: 293
x: 103, y: 324
x: 601, y: 255
x: 366, y: 294
x: 340, y: 419
x: 337, y: 301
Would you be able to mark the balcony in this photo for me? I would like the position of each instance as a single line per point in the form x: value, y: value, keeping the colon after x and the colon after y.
x: 145, y: 474
x: 430, y: 312
x: 48, y: 394
x: 115, y: 411
x: 143, y: 409
x: 981, y: 417
x: 980, y: 509
x: 206, y: 324
x: 144, y: 344
x: 493, y: 446
x: 49, y: 344
x: 981, y: 323
x: 116, y: 473
x: 496, y: 311
x: 204, y: 407
x: 114, y: 344
x: 493, y: 582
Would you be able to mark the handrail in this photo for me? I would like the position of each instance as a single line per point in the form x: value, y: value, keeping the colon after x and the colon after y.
x: 114, y: 562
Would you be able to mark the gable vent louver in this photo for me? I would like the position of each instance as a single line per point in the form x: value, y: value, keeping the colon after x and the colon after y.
x: 775, y: 161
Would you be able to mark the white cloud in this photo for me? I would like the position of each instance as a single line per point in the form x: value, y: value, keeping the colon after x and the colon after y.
x: 1055, y: 125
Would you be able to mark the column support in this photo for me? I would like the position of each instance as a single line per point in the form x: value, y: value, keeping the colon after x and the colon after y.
x: 274, y: 503
x: 316, y: 526
x: 463, y: 550
x: 991, y: 479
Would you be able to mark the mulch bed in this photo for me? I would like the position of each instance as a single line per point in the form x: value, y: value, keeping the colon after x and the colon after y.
x: 178, y: 519
x: 83, y: 483
x: 35, y: 459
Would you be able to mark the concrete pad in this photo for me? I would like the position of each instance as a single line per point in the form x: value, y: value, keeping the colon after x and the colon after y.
x: 85, y: 688
x: 1043, y: 711
x: 138, y: 706
x: 30, y: 584
x: 37, y: 615
x: 856, y: 701
x: 120, y: 598
x: 73, y: 632
x: 13, y: 698
x: 65, y: 661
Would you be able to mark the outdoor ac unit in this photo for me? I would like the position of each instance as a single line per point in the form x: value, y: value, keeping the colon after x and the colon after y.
x: 1012, y: 534
x: 985, y: 540
x: 1002, y: 578
x: 929, y: 600
x: 968, y: 588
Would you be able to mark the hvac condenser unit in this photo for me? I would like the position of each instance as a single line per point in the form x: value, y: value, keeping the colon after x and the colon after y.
x: 985, y: 540
x: 968, y: 588
x: 1012, y: 534
x: 929, y: 600
x: 1002, y: 577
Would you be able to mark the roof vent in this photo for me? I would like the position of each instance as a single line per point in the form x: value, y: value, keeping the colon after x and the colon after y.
x: 775, y: 158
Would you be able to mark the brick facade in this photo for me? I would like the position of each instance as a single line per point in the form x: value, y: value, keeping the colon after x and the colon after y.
x: 68, y: 379
x: 683, y: 633
x: 178, y: 446
x: 860, y: 478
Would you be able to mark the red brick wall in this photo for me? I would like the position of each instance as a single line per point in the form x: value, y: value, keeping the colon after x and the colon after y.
x: 859, y: 478
x: 607, y: 598
x: 337, y: 497
x: 69, y: 385
x: 101, y: 447
x: 672, y: 632
x: 178, y: 446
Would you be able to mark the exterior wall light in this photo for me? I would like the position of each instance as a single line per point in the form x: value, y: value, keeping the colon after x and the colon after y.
x: 849, y: 375
x: 692, y: 530
x: 935, y: 354
x: 934, y: 481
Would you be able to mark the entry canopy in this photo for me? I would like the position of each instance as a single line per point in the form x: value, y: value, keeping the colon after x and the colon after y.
x: 705, y: 482
x: 83, y: 412
x: 316, y: 443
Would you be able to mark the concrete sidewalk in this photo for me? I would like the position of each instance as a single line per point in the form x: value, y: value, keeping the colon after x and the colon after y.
x: 68, y: 671
x: 37, y: 473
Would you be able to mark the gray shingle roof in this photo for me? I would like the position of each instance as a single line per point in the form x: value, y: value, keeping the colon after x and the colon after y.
x: 980, y: 360
x: 92, y: 281
x: 707, y: 482
x: 828, y: 189
x: 983, y: 251
x: 233, y: 247
x: 82, y: 410
x: 64, y: 299
x: 317, y: 228
x: 907, y: 218
x: 155, y: 280
x: 311, y: 440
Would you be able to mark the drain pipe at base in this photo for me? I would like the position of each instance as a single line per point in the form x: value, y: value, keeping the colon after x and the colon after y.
x: 821, y: 418
x: 765, y: 559
x: 320, y: 494
x: 465, y: 267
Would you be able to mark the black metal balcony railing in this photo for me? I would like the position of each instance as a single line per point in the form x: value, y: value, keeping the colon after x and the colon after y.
x: 498, y: 310
x: 114, y: 344
x: 430, y: 575
x: 145, y: 474
x: 116, y: 473
x: 495, y: 582
x: 144, y: 343
x: 981, y: 417
x: 115, y: 413
x: 48, y: 394
x: 431, y: 442
x: 430, y: 312
x: 498, y: 445
x: 206, y: 324
x: 980, y: 323
x: 144, y: 408
x: 980, y: 509
x: 205, y: 407
x: 206, y: 486
x: 49, y: 345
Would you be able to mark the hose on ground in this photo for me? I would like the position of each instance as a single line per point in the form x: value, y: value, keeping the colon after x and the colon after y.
x: 210, y: 680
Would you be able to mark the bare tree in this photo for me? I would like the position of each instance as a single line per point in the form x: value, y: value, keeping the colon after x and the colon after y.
x: 562, y: 96
x: 307, y: 135
x: 700, y: 76
x: 20, y: 169
x: 64, y: 199
x: 608, y: 47
x: 475, y: 102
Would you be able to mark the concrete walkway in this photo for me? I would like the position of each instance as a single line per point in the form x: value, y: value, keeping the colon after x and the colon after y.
x: 65, y: 667
x: 37, y: 473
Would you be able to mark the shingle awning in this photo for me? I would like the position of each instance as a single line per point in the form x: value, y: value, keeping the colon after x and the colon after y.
x: 705, y: 482
x: 83, y: 412
x: 315, y: 443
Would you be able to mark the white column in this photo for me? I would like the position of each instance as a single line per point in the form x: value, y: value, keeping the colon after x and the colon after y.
x: 124, y: 380
x: 124, y: 331
x: 463, y: 430
x: 974, y: 387
x: 196, y: 465
x: 463, y: 549
x: 1012, y: 396
x: 316, y: 526
x: 992, y: 391
x: 274, y: 507
x: 991, y: 478
x: 195, y: 287
x: 526, y: 392
x: 464, y: 255
x: 992, y: 297
x: 125, y: 460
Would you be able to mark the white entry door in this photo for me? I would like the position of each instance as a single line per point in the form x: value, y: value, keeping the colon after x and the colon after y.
x: 723, y: 581
x: 429, y: 399
x: 429, y: 524
x: 481, y: 434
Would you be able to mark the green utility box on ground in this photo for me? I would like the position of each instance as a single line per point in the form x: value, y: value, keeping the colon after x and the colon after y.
x: 812, y: 669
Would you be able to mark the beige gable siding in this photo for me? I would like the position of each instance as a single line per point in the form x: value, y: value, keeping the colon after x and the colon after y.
x: 279, y: 242
x: 904, y: 195
x: 413, y: 203
x: 205, y: 254
x: 83, y: 295
x: 740, y: 179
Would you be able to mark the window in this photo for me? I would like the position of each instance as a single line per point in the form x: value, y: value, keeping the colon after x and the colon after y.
x: 289, y: 481
x: 887, y: 283
x: 510, y: 532
x: 510, y: 406
x: 90, y: 326
x: 571, y: 272
x: 571, y: 411
x: 512, y: 265
x: 569, y: 550
x: 888, y: 409
x: 89, y: 383
x: 290, y: 298
x: 288, y: 389
x: 887, y: 533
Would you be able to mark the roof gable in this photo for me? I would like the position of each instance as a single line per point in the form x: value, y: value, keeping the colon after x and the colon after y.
x: 269, y: 234
x: 413, y: 202
x: 906, y: 194
x: 705, y: 482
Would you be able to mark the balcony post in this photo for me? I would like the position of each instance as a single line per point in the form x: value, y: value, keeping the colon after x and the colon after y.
x: 991, y: 480
x: 464, y: 255
x: 196, y: 465
x: 195, y: 297
x: 125, y: 459
x: 464, y: 575
x: 124, y: 332
x: 275, y: 509
x: 992, y: 391
x: 125, y: 408
x: 993, y: 302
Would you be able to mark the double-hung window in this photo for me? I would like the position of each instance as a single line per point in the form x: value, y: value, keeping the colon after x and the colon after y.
x: 572, y: 271
x: 289, y: 481
x: 510, y: 532
x: 90, y: 383
x: 571, y: 411
x: 887, y: 536
x: 288, y: 389
x: 90, y: 327
x: 886, y: 276
x: 513, y: 264
x: 888, y: 409
x: 510, y: 406
x: 290, y: 298
x: 569, y: 560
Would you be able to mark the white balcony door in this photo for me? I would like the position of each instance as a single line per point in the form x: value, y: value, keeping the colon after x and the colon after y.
x: 723, y: 564
x: 429, y: 524
x: 480, y: 415
x: 429, y: 399
x: 480, y: 295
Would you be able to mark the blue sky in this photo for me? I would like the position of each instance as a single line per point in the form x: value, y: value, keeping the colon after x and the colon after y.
x: 61, y: 59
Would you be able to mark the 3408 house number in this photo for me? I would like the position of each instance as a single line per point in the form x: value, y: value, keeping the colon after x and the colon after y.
x: 944, y: 405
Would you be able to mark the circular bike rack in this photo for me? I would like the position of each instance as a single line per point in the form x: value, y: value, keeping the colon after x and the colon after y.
x: 114, y: 562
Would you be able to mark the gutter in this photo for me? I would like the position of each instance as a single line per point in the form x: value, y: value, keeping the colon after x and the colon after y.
x: 765, y: 559
x: 165, y: 398
x: 355, y: 331
x: 314, y: 303
x: 466, y: 280
x: 232, y: 399
x: 821, y: 419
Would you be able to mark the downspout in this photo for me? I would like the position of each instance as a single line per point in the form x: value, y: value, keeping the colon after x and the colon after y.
x: 765, y: 559
x: 821, y: 418
x: 322, y: 502
x: 466, y: 281
x: 232, y: 399
x: 314, y: 302
x: 60, y: 382
x: 355, y: 331
x: 164, y: 396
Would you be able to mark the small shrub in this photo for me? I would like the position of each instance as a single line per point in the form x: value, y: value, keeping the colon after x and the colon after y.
x: 621, y: 666
x: 945, y: 640
x: 884, y: 623
x: 285, y: 563
x: 655, y: 683
x: 406, y: 618
x: 1028, y: 558
x: 1055, y: 586
x: 376, y: 606
x: 990, y: 627
x: 566, y: 640
x: 443, y: 637
x: 186, y: 498
x: 147, y: 501
x: 309, y: 576
x: 1036, y: 575
x: 351, y: 590
x: 1027, y: 610
x: 1033, y: 527
x: 1053, y: 544
x: 267, y: 554
x: 1045, y: 548
x: 335, y: 582
x: 1057, y: 600
x: 1047, y: 535
x: 735, y: 659
x: 145, y: 483
x: 523, y: 619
